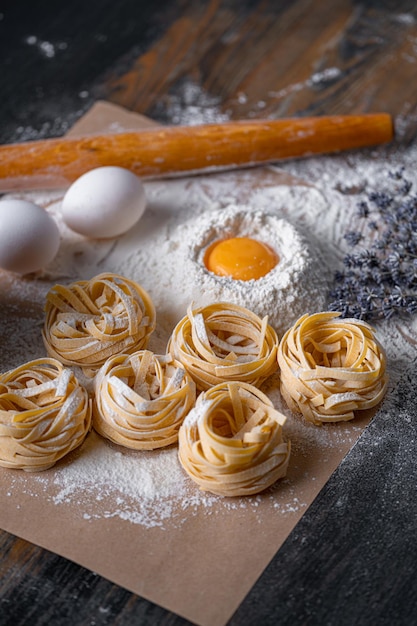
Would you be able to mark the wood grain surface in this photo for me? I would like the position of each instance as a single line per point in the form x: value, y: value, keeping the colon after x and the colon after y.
x: 254, y: 59
x: 246, y: 59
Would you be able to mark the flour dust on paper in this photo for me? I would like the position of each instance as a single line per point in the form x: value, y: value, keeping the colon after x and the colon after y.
x: 101, y: 480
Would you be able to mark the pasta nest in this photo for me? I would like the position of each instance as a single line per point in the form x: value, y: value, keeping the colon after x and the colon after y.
x: 91, y: 320
x: 141, y: 400
x: 223, y: 342
x: 44, y: 414
x: 231, y: 443
x: 331, y: 367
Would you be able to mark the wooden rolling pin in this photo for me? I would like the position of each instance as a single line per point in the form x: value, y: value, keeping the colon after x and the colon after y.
x: 159, y: 152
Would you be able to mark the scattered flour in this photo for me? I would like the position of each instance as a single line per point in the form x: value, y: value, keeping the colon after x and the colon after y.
x: 46, y: 48
x: 190, y: 105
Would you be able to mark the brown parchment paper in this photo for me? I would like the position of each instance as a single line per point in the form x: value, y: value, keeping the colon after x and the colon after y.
x: 202, y: 568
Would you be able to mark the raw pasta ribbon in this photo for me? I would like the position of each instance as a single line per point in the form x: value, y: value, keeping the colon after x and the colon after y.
x: 44, y: 414
x: 331, y: 367
x: 224, y: 342
x: 231, y: 443
x: 141, y: 400
x: 91, y: 320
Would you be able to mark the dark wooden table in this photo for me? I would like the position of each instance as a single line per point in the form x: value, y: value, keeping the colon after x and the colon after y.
x: 353, y: 557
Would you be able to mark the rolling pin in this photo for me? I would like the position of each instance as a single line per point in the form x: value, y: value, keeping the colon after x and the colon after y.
x: 175, y: 150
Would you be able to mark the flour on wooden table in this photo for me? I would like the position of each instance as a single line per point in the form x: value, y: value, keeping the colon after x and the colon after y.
x: 149, y: 488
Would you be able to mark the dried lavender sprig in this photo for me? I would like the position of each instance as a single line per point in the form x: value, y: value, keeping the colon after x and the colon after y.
x: 379, y: 279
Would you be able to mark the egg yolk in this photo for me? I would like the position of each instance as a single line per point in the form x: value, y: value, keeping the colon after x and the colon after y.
x: 241, y: 258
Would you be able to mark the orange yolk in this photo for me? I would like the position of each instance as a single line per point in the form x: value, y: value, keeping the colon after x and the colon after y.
x: 241, y: 258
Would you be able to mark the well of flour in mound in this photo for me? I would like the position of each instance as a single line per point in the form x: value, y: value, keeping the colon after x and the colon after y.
x: 298, y: 284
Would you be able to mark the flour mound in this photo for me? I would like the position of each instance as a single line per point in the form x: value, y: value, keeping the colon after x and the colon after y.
x: 298, y: 283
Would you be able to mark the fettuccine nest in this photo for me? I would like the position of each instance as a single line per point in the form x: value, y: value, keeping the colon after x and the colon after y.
x: 141, y: 400
x: 331, y: 367
x: 224, y: 342
x: 91, y: 320
x: 44, y: 414
x: 231, y: 443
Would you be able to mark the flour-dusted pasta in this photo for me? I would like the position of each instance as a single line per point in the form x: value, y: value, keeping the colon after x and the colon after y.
x: 44, y: 414
x: 223, y: 342
x: 232, y: 443
x: 331, y: 367
x: 89, y: 321
x: 141, y: 400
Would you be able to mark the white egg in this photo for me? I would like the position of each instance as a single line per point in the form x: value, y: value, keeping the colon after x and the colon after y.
x: 29, y: 237
x: 104, y: 202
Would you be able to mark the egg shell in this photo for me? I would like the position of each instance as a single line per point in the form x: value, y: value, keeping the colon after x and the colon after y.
x: 29, y: 237
x: 104, y: 202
